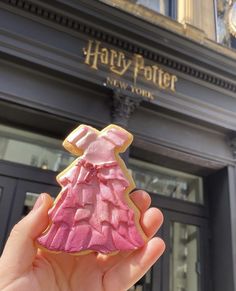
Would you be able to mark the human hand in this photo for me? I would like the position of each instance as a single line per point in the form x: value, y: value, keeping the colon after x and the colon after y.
x: 23, y: 267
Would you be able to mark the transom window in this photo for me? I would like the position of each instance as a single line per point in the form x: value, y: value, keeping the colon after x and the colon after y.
x: 167, y: 182
x: 32, y: 149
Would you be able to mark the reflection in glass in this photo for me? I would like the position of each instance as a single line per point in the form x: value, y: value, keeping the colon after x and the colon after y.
x: 184, y: 275
x: 30, y: 199
x: 144, y: 284
x: 33, y: 149
x: 161, y: 6
x: 145, y: 9
x: 167, y: 182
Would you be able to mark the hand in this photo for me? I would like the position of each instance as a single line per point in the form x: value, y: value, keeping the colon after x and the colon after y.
x: 23, y: 267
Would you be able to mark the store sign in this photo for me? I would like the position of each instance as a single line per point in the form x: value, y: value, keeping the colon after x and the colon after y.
x: 125, y: 67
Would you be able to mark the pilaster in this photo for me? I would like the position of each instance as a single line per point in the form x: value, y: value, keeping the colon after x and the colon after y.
x: 200, y: 14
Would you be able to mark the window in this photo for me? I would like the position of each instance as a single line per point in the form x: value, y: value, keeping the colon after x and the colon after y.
x: 167, y: 182
x: 32, y: 149
x: 161, y: 6
x: 147, y: 9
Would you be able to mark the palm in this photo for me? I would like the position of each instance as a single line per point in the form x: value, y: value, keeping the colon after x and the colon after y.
x: 89, y: 272
x: 23, y: 268
x: 68, y: 272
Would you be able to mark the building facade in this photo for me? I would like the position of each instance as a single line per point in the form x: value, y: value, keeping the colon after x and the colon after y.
x: 153, y: 67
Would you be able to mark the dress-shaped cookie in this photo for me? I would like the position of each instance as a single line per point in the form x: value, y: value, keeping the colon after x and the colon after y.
x: 93, y: 212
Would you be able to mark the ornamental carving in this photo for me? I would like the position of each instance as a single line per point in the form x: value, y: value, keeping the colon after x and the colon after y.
x: 123, y: 106
x: 232, y: 20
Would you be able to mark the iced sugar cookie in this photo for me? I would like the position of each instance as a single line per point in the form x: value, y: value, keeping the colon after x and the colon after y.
x: 93, y: 211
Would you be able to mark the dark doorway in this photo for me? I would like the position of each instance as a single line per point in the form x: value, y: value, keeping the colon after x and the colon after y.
x: 19, y: 191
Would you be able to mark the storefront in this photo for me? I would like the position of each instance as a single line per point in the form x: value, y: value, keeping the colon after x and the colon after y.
x: 63, y: 63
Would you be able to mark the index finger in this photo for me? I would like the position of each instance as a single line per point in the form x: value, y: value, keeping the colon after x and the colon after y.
x: 141, y: 199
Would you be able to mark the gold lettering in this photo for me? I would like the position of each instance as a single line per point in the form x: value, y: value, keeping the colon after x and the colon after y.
x: 142, y: 92
x: 109, y: 81
x: 89, y: 54
x: 121, y: 56
x: 166, y: 80
x: 138, y: 65
x: 132, y: 88
x: 148, y: 73
x: 148, y: 94
x: 154, y: 75
x: 138, y: 91
x: 174, y: 79
x: 160, y: 77
x: 124, y: 68
x: 104, y: 56
x: 123, y: 85
x: 113, y: 56
x: 116, y: 83
x: 127, y: 64
x: 119, y: 63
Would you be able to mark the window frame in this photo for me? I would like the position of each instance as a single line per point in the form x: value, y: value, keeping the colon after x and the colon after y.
x: 173, y: 5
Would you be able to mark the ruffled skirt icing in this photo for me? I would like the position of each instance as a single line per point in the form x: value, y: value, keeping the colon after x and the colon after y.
x: 91, y: 213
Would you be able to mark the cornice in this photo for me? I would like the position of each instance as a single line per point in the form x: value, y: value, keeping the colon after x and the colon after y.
x: 60, y: 18
x: 182, y: 154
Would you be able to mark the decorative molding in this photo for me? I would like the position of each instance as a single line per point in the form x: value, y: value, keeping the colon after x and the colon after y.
x: 76, y: 25
x: 177, y: 153
x: 123, y: 105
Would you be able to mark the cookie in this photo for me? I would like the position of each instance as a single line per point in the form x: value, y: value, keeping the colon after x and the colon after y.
x: 93, y: 211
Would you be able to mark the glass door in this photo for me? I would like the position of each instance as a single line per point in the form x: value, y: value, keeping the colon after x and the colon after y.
x: 25, y: 196
x: 185, y: 259
x: 181, y: 197
x: 152, y: 279
x: 184, y: 265
x: 7, y: 186
x: 144, y: 284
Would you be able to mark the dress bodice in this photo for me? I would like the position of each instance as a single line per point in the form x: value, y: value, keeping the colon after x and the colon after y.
x: 97, y: 147
x: 99, y: 151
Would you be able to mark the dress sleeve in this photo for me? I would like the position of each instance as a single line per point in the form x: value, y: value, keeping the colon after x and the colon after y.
x: 77, y: 141
x: 118, y: 136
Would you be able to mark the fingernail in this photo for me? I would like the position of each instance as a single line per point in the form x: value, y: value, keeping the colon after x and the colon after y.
x: 38, y: 202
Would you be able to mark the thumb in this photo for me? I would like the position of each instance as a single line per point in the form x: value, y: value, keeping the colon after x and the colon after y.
x: 20, y: 249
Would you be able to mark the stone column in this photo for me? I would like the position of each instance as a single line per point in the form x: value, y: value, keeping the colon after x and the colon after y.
x: 123, y: 105
x: 198, y: 14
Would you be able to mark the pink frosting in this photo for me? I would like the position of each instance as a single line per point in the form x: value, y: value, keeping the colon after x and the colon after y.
x: 92, y: 213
